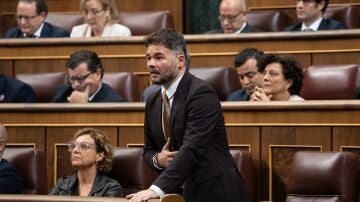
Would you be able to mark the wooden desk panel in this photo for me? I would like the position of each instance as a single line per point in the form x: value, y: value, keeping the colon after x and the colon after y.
x: 272, y: 131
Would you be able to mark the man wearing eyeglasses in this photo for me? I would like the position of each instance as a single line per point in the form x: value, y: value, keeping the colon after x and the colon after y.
x: 233, y: 18
x: 310, y: 13
x: 30, y: 17
x: 85, y: 73
x: 10, y: 181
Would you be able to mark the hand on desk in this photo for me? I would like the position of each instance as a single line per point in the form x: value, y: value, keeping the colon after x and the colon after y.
x: 142, y: 196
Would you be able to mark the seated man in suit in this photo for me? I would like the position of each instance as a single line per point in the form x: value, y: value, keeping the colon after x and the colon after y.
x: 249, y: 75
x: 85, y: 73
x: 13, y: 90
x: 10, y: 181
x: 30, y: 16
x: 233, y: 18
x: 310, y: 13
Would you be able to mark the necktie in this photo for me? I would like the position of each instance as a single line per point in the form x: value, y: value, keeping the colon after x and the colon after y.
x: 165, y: 115
x: 307, y: 30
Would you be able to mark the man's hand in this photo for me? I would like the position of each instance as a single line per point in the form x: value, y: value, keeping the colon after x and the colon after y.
x: 165, y: 157
x: 142, y: 196
x: 79, y: 97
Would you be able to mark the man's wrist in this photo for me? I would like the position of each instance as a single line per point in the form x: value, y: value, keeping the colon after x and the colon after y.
x: 156, y: 163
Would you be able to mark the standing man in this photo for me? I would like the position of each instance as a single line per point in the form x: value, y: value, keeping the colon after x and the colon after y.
x: 15, y: 91
x: 30, y: 16
x: 85, y: 73
x: 10, y: 181
x: 185, y: 135
x: 249, y: 75
x: 233, y: 18
x: 310, y: 14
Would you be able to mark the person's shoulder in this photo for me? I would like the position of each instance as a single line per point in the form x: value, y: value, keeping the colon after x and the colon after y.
x: 12, y: 33
x: 121, y: 30
x: 331, y: 24
x: 239, y: 95
x: 250, y: 29
x: 78, y: 30
x: 55, y: 31
x: 108, y: 94
x: 293, y: 27
x: 61, y: 93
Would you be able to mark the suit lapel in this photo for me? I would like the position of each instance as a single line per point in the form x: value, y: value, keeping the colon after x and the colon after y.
x: 45, y: 31
x: 157, y: 111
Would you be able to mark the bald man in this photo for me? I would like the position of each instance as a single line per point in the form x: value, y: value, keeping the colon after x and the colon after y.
x: 233, y: 18
x: 10, y: 181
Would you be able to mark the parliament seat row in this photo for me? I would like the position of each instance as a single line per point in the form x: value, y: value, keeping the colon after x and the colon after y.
x: 129, y: 169
x: 321, y: 82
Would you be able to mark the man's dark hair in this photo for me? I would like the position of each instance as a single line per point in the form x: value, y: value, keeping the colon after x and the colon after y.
x: 84, y: 56
x: 40, y: 5
x: 290, y: 68
x: 246, y: 54
x: 325, y: 6
x: 170, y: 39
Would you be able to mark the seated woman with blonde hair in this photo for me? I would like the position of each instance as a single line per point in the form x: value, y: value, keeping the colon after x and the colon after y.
x: 91, y: 156
x: 101, y: 17
x: 282, y: 79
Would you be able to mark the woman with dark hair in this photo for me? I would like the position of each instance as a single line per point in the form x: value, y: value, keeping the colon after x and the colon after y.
x: 283, y: 79
x: 91, y: 156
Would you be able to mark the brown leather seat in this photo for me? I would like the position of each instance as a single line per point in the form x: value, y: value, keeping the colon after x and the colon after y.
x: 146, y: 22
x: 349, y: 15
x: 124, y: 83
x: 65, y: 20
x: 327, y: 176
x: 130, y: 170
x: 223, y: 79
x: 330, y: 82
x: 44, y: 84
x: 268, y: 20
x: 31, y: 166
x: 243, y: 161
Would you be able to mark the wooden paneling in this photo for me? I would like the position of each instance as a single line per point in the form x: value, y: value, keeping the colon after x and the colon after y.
x: 271, y: 131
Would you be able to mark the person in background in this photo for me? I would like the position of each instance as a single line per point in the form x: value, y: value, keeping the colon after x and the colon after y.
x: 91, y: 156
x: 233, y: 18
x: 85, y: 73
x: 15, y: 91
x: 310, y: 14
x: 101, y: 18
x: 30, y: 17
x: 184, y: 130
x: 10, y: 181
x: 283, y: 79
x: 249, y: 75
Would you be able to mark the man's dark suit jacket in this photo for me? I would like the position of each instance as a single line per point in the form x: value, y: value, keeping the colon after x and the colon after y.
x: 48, y: 30
x: 247, y: 29
x: 203, y: 163
x: 10, y: 181
x: 105, y: 94
x: 239, y: 95
x: 13, y: 90
x: 326, y: 24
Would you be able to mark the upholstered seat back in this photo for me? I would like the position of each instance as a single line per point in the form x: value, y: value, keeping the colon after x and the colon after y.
x: 130, y: 170
x: 268, y: 20
x: 330, y: 82
x: 243, y: 161
x: 44, y: 84
x: 223, y: 79
x: 349, y: 15
x: 31, y: 166
x: 323, y: 176
x: 65, y: 20
x: 124, y: 83
x: 146, y: 22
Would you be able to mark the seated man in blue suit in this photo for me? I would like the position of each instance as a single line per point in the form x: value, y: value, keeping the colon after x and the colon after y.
x: 310, y: 13
x: 10, y: 181
x: 85, y: 73
x: 13, y: 90
x: 233, y: 18
x: 30, y: 16
x: 246, y: 67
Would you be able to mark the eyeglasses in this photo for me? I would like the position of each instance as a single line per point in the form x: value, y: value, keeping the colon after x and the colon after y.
x: 83, y: 146
x: 26, y: 18
x: 78, y: 78
x: 305, y: 2
x: 229, y: 18
x: 92, y: 12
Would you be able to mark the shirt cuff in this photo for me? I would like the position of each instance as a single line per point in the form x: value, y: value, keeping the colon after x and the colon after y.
x: 155, y: 162
x: 158, y: 191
